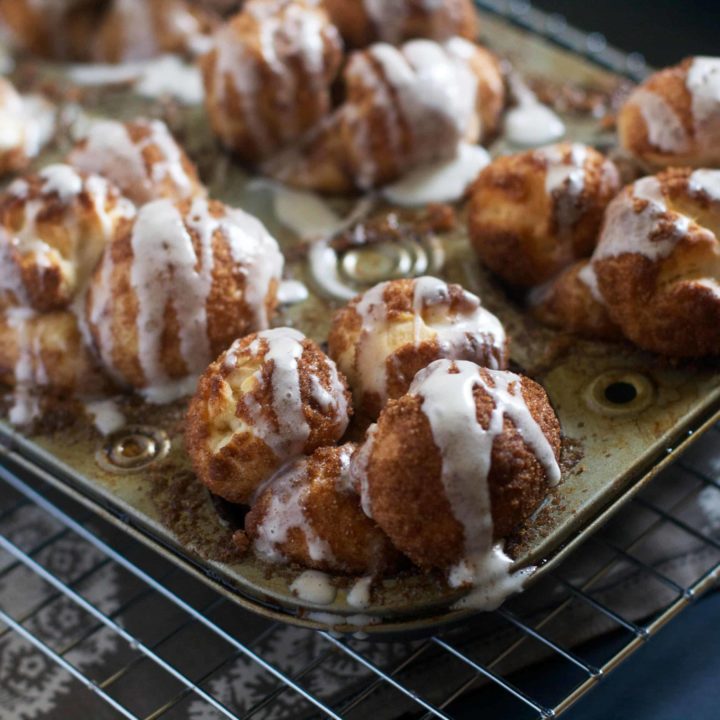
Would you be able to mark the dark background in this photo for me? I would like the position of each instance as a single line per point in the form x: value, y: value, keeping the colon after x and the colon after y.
x: 664, y: 31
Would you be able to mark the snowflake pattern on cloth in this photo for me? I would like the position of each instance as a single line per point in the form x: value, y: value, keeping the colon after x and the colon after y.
x: 31, y: 685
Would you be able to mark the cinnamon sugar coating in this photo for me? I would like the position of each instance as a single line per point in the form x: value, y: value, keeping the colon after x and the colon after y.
x: 272, y: 397
x: 407, y: 494
x: 268, y: 76
x: 569, y: 303
x: 673, y: 118
x: 362, y: 22
x: 311, y: 515
x: 658, y: 262
x: 533, y: 213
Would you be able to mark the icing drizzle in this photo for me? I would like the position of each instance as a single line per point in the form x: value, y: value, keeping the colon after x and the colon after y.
x: 167, y: 269
x: 293, y: 31
x: 427, y: 87
x: 446, y: 389
x: 565, y: 179
x: 283, y: 347
x: 472, y: 332
x: 648, y: 228
x: 286, y: 511
x: 110, y: 151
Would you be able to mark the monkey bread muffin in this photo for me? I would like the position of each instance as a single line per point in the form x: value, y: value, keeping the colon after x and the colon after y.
x: 175, y: 287
x: 269, y: 399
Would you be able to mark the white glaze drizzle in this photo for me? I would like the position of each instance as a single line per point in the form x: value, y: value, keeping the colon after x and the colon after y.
x: 285, y: 512
x: 358, y: 471
x: 19, y: 129
x: 137, y: 29
x: 99, y: 310
x: 12, y: 132
x: 359, y: 594
x: 298, y: 32
x: 565, y: 180
x: 446, y: 389
x: 458, y: 335
x: 283, y: 347
x: 314, y: 587
x: 167, y: 269
x: 588, y: 276
x: 62, y: 183
x: 169, y: 76
x: 106, y: 414
x: 389, y: 18
x: 293, y: 32
x: 372, y: 310
x: 530, y: 122
x: 305, y: 213
x: 323, y: 261
x: 62, y: 180
x: 428, y: 87
x: 235, y: 69
x: 164, y: 272
x: 29, y: 370
x: 474, y: 332
x: 703, y: 83
x: 292, y: 292
x: 257, y: 252
x: 706, y: 182
x: 650, y: 229
x: 665, y: 129
x: 442, y: 182
x: 357, y: 620
x: 111, y: 152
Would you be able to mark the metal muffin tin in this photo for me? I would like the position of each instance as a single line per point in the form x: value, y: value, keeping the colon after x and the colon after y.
x: 624, y: 413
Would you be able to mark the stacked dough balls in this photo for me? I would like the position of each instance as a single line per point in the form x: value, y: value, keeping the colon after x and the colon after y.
x: 272, y: 76
x: 149, y: 290
x: 53, y: 228
x: 462, y: 451
x: 640, y: 264
x: 108, y: 31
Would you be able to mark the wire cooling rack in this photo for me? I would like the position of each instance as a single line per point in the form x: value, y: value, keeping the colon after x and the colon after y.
x: 180, y: 650
x: 93, y: 624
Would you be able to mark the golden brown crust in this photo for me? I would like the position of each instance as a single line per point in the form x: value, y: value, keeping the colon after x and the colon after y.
x: 105, y: 30
x: 377, y: 134
x: 567, y: 303
x: 404, y: 20
x: 168, y: 26
x: 257, y: 101
x: 46, y: 350
x: 14, y: 156
x: 405, y: 486
x: 526, y: 234
x: 331, y: 511
x: 52, y: 236
x: 231, y: 308
x: 405, y: 341
x: 141, y: 157
x: 62, y: 30
x: 665, y: 300
x: 233, y: 419
x: 658, y: 124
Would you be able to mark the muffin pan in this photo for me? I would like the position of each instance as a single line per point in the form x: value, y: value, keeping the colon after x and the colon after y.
x: 624, y: 413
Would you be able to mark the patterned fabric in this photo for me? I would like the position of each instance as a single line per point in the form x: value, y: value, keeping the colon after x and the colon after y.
x: 32, y: 687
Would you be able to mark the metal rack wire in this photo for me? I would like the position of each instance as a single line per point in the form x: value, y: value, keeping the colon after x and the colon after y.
x: 385, y: 679
x: 181, y: 650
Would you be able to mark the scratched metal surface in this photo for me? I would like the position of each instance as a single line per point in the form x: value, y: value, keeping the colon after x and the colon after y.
x: 610, y: 449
